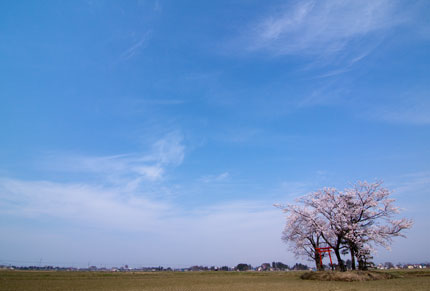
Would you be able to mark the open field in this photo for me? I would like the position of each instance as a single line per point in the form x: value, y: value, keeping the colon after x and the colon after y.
x: 35, y: 280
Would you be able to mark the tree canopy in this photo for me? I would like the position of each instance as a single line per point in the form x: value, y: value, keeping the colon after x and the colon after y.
x: 354, y: 220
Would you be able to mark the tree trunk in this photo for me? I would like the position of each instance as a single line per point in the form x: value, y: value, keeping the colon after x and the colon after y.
x: 318, y: 264
x: 361, y: 264
x: 352, y: 258
x: 340, y: 262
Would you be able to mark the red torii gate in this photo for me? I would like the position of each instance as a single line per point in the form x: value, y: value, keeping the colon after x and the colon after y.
x: 325, y: 250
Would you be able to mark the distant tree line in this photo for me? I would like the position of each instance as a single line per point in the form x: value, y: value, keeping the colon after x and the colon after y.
x: 275, y: 266
x: 242, y: 267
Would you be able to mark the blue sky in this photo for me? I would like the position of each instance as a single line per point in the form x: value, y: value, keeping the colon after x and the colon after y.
x: 162, y: 132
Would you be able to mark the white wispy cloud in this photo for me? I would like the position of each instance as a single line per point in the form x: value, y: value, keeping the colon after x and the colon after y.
x: 135, y: 47
x: 145, y: 230
x: 323, y: 27
x: 233, y: 230
x: 417, y: 184
x: 132, y: 168
x: 153, y: 223
x: 122, y: 202
x: 150, y: 172
x: 329, y: 93
x: 98, y: 205
x: 215, y: 178
x: 411, y: 115
x: 116, y: 207
x: 110, y: 191
x: 406, y: 108
x: 157, y: 6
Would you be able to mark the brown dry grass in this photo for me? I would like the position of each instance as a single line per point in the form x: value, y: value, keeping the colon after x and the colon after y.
x: 349, y: 276
x: 193, y: 281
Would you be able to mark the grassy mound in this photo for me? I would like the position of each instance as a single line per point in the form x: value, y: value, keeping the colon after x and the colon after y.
x: 347, y: 276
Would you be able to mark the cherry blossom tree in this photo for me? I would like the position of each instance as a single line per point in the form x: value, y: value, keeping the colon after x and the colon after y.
x: 371, y: 219
x: 301, y: 234
x: 353, y: 220
x: 332, y: 213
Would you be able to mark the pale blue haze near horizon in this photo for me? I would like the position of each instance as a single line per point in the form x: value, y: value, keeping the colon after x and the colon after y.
x: 162, y: 132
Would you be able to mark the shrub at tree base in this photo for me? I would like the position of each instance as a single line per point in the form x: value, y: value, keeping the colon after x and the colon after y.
x: 347, y: 276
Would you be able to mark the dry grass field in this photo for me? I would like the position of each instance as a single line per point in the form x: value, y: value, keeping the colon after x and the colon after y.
x: 83, y: 281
